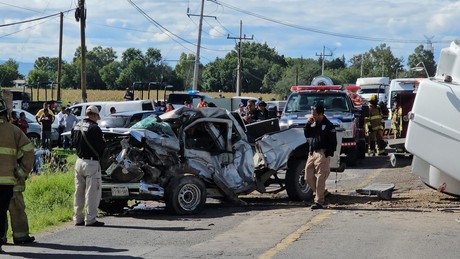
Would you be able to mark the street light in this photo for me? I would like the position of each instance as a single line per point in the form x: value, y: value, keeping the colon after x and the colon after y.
x: 420, y: 68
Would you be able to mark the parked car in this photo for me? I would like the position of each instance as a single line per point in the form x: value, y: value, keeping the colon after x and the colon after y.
x: 34, y: 130
x: 125, y: 119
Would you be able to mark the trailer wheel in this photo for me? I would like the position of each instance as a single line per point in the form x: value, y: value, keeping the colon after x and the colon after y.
x: 112, y: 206
x: 352, y: 157
x: 296, y: 186
x: 185, y: 195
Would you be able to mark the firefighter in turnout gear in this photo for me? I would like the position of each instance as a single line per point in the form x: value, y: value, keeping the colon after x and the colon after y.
x: 17, y: 155
x: 396, y: 120
x: 375, y: 125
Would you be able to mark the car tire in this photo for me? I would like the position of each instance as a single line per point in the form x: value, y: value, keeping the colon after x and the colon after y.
x: 296, y: 186
x: 185, y: 195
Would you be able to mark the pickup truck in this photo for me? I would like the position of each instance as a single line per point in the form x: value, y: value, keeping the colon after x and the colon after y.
x: 339, y: 109
x: 186, y: 155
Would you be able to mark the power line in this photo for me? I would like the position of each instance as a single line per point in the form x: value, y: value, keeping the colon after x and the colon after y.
x: 342, y: 35
x: 31, y: 20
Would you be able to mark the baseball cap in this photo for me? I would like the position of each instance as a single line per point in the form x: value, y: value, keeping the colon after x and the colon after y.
x: 92, y: 109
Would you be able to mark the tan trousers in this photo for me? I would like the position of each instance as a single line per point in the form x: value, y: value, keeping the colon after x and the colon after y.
x: 87, y: 190
x: 19, y: 222
x: 317, y: 171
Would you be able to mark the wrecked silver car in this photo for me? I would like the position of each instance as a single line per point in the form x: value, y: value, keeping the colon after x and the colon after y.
x: 186, y: 155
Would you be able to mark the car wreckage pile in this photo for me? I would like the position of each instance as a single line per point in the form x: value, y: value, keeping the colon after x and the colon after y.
x: 186, y: 155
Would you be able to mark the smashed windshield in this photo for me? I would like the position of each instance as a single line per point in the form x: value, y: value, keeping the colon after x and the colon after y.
x: 303, y: 102
x: 155, y: 124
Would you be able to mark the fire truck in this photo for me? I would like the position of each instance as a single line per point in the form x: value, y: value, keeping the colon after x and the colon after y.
x: 339, y: 109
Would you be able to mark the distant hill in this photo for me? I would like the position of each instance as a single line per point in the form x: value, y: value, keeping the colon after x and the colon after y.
x: 24, y: 67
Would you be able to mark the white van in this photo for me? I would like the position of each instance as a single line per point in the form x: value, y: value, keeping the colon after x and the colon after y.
x: 400, y: 85
x: 104, y: 107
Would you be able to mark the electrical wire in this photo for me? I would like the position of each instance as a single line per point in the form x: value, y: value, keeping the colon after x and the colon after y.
x: 310, y: 29
x: 31, y: 20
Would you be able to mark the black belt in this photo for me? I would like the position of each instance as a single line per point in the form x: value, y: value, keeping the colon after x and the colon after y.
x: 89, y: 158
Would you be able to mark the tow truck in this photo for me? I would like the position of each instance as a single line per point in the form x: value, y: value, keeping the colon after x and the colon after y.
x: 339, y: 109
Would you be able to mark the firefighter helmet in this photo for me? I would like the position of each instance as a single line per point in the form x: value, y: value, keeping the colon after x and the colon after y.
x: 373, y: 98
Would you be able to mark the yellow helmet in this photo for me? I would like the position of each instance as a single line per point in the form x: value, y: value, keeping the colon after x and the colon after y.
x: 373, y: 98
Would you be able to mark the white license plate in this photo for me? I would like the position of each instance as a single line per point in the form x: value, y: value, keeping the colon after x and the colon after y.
x: 120, y: 191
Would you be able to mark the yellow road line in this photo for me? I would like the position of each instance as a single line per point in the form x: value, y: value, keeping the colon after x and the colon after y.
x: 287, y: 241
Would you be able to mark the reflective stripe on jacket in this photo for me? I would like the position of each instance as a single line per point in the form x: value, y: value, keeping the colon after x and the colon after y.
x: 16, y: 150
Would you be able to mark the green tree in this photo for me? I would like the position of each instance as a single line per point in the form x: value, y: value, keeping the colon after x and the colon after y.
x: 8, y: 73
x: 378, y: 61
x: 184, y: 70
x: 300, y: 71
x: 133, y: 73
x: 70, y: 75
x: 109, y: 74
x: 130, y: 55
x: 422, y: 55
x: 101, y: 56
x: 37, y: 76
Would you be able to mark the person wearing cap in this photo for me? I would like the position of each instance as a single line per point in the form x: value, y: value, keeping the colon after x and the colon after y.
x: 89, y: 142
x: 263, y: 112
x: 241, y: 110
x: 321, y: 137
x: 17, y: 156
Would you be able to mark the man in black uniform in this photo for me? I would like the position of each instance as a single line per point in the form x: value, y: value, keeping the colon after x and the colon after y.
x: 322, y: 140
x: 88, y: 140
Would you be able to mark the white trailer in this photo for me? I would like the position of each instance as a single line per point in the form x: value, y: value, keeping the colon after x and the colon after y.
x: 433, y: 135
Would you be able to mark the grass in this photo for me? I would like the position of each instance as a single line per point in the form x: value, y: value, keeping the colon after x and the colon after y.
x: 49, y: 197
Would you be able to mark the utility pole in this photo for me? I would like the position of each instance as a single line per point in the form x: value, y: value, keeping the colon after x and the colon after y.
x: 362, y: 62
x: 80, y: 15
x: 239, y: 66
x: 60, y: 59
x: 322, y: 55
x: 198, y: 47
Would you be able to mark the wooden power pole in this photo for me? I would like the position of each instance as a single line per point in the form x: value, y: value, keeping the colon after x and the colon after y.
x: 80, y: 15
x: 60, y: 58
x: 239, y: 66
x: 322, y: 55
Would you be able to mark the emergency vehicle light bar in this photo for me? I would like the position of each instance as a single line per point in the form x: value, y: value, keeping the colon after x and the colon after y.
x: 353, y: 88
x: 298, y: 88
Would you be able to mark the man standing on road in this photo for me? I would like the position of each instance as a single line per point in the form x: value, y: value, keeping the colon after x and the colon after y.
x: 322, y: 140
x: 16, y: 154
x: 87, y: 138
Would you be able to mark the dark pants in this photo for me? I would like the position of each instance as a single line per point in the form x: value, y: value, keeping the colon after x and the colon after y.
x: 6, y: 192
x: 60, y: 138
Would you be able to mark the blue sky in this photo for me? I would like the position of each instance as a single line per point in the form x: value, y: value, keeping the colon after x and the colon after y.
x: 295, y: 28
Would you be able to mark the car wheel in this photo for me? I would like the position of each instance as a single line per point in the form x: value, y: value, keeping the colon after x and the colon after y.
x: 185, y: 195
x: 112, y: 206
x: 296, y: 186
